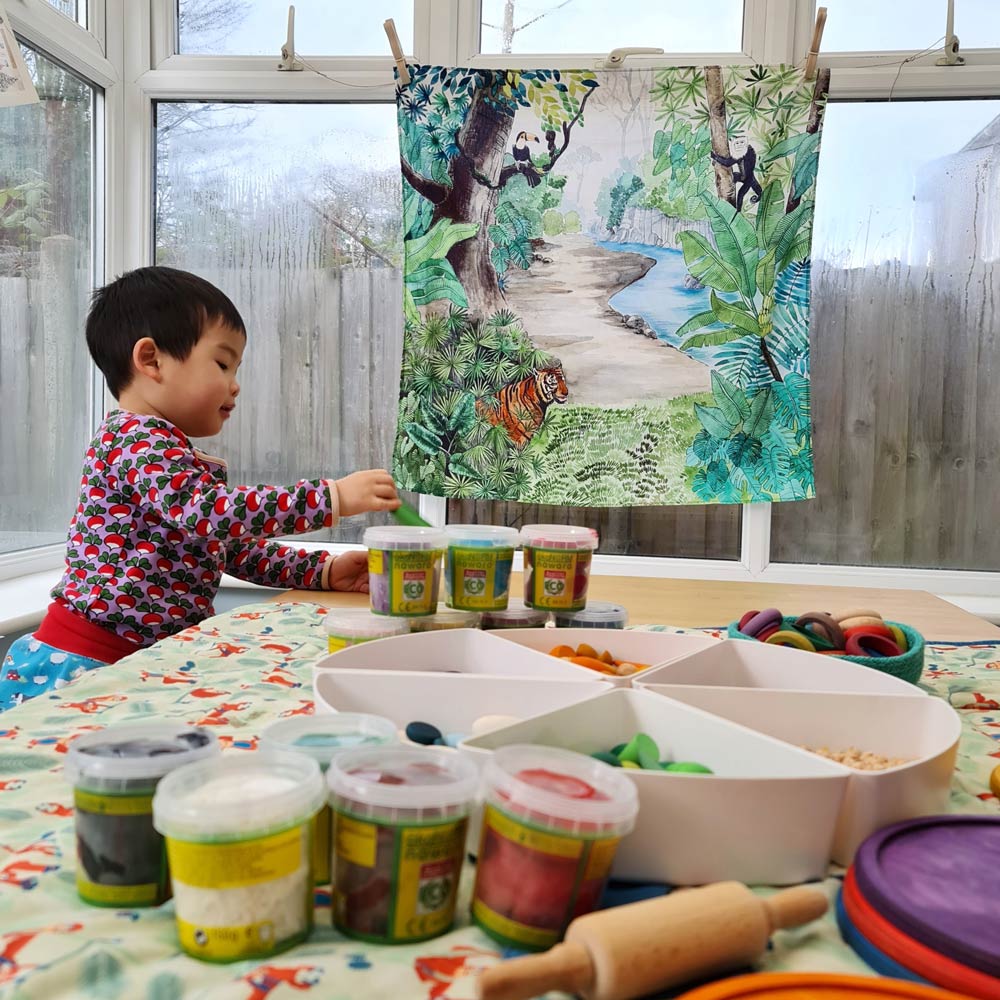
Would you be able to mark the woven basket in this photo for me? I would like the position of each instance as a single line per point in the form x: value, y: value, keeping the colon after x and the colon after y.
x: 907, y: 667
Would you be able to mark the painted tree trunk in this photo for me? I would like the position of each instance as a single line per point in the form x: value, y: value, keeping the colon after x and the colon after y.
x: 820, y: 91
x: 720, y: 136
x: 485, y: 136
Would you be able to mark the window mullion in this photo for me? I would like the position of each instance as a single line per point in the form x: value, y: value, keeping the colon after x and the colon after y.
x: 769, y: 29
x: 163, y: 23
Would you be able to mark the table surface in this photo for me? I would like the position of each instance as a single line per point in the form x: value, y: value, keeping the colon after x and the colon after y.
x: 237, y: 673
x: 708, y: 603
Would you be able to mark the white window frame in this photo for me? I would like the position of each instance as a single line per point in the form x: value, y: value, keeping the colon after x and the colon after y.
x: 84, y: 52
x: 139, y: 49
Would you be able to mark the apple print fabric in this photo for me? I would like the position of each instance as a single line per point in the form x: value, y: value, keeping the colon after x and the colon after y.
x: 157, y: 525
x: 238, y: 673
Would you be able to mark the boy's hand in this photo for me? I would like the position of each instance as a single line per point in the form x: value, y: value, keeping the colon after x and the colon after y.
x: 349, y: 572
x: 372, y: 489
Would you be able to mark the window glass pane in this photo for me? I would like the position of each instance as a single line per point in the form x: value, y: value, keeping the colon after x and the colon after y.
x: 598, y: 26
x: 860, y: 25
x: 696, y: 532
x: 294, y: 211
x: 259, y: 27
x: 905, y: 354
x: 75, y: 10
x: 46, y: 254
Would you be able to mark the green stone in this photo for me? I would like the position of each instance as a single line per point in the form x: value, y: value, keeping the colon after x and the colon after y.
x: 688, y: 767
x: 607, y: 757
x: 641, y: 750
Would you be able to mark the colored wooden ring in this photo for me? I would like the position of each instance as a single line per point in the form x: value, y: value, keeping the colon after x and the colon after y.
x: 867, y: 644
x: 762, y: 620
x: 882, y: 630
x: 824, y: 624
x: 995, y: 781
x: 748, y: 616
x: 839, y: 616
x: 900, y: 636
x: 786, y: 637
x: 767, y: 633
x: 859, y: 622
x: 832, y: 652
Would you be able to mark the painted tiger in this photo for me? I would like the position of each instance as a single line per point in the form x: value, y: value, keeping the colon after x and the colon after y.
x: 520, y: 406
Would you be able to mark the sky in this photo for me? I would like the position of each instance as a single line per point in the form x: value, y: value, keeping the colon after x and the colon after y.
x: 872, y: 153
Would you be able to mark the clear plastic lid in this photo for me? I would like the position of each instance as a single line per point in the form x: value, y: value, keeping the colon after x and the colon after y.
x: 445, y: 617
x: 360, y: 623
x: 561, y: 789
x: 482, y: 536
x: 378, y: 782
x: 595, y: 613
x: 321, y: 736
x: 515, y: 613
x: 238, y: 797
x: 135, y: 752
x: 558, y: 536
x: 397, y: 536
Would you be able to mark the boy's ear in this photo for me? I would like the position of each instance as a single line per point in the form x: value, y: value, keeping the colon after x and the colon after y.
x: 146, y: 358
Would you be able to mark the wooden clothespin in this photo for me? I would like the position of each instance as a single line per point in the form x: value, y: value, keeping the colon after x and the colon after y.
x: 817, y: 38
x: 397, y: 50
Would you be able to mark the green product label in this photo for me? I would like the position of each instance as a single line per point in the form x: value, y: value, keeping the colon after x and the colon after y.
x: 407, y: 582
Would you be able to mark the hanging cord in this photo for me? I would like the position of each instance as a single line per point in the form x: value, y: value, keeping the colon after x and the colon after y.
x: 342, y: 83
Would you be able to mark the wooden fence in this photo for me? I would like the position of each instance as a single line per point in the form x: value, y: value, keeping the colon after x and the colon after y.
x: 906, y: 406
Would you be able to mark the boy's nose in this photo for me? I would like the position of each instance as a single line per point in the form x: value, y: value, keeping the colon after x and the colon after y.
x: 235, y: 388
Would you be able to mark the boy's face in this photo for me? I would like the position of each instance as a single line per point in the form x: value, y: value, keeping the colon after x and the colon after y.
x: 199, y: 393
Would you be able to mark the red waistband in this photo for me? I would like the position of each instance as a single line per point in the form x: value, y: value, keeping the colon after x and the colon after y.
x: 72, y: 633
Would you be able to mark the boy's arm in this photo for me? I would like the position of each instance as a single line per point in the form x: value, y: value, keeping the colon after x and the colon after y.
x: 164, y: 478
x: 271, y: 564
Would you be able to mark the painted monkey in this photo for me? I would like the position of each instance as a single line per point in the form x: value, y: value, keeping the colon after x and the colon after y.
x: 744, y: 160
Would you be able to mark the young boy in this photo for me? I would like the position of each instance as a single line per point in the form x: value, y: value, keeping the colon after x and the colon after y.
x: 157, y: 525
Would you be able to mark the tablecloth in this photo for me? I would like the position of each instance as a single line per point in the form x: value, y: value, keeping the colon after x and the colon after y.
x: 237, y: 673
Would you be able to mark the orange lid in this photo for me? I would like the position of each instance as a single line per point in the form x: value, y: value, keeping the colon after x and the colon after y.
x: 814, y: 986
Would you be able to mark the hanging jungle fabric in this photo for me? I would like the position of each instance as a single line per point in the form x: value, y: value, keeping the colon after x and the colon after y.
x: 606, y: 286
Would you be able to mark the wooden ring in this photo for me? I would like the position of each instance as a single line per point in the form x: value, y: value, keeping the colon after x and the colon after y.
x: 870, y: 645
x: 824, y: 624
x: 855, y: 613
x: 859, y: 621
x: 748, y: 616
x: 767, y: 633
x: 761, y: 620
x: 786, y: 637
x: 900, y: 636
x: 882, y: 630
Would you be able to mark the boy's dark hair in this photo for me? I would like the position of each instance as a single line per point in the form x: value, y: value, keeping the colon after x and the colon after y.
x: 168, y: 305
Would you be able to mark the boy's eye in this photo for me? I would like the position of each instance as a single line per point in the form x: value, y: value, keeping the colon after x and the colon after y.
x: 224, y: 367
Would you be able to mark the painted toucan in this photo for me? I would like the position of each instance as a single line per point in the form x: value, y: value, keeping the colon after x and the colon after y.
x: 522, y: 158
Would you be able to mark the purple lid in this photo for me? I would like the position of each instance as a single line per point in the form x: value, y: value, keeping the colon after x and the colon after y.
x: 937, y: 879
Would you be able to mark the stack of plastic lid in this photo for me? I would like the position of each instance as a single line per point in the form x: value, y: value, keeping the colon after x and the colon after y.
x: 922, y: 902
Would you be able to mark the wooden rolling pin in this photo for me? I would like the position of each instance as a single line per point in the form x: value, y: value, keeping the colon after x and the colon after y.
x: 632, y: 950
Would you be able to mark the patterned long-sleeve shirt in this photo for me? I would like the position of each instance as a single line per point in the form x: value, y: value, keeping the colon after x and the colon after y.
x: 157, y: 525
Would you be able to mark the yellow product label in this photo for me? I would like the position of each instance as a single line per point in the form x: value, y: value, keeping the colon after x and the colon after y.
x: 116, y: 895
x: 511, y: 930
x: 375, y: 561
x: 113, y: 805
x: 225, y: 944
x: 535, y: 840
x: 322, y: 846
x: 246, y: 862
x: 413, y: 582
x: 356, y: 842
x: 478, y: 579
x: 553, y: 579
x: 430, y: 862
x: 338, y: 642
x: 602, y: 853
